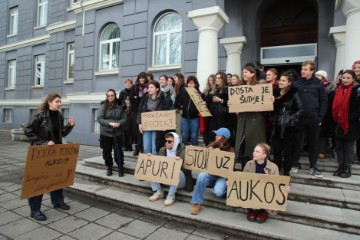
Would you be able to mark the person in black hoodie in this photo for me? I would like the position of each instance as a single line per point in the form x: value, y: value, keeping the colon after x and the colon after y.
x: 153, y: 100
x: 190, y: 115
x: 284, y: 121
x: 314, y: 99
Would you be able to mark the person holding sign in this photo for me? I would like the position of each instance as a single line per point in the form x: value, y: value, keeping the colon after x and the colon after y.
x: 261, y: 165
x: 153, y: 100
x: 173, y: 148
x: 287, y: 113
x: 204, y: 179
x: 189, y: 114
x: 111, y: 117
x: 250, y: 128
x: 47, y: 128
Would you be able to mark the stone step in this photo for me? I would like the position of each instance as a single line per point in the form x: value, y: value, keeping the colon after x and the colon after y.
x: 303, y: 177
x: 298, y: 212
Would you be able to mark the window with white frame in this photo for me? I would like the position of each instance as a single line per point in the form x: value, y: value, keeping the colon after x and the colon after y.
x: 96, y: 125
x: 14, y: 19
x: 11, y: 74
x: 70, y: 61
x: 110, y: 47
x: 8, y: 115
x: 65, y: 113
x: 42, y: 9
x: 39, y: 70
x: 167, y: 40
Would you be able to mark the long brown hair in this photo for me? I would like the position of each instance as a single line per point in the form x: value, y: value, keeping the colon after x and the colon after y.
x: 107, y: 104
x: 290, y: 79
x: 181, y: 82
x: 223, y: 84
x: 253, y: 80
x: 44, y: 106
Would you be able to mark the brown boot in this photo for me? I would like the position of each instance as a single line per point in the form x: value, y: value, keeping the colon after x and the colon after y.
x: 195, y: 209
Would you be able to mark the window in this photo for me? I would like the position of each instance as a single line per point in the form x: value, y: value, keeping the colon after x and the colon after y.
x: 167, y: 40
x: 8, y: 116
x: 14, y: 18
x: 110, y: 47
x: 11, y: 74
x: 96, y: 125
x: 42, y: 12
x: 65, y: 113
x: 70, y: 61
x: 39, y: 70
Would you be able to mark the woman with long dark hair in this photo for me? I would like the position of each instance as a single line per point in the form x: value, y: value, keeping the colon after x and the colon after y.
x: 111, y: 117
x: 47, y: 128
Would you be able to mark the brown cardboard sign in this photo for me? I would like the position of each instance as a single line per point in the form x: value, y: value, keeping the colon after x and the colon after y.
x: 257, y: 191
x: 49, y: 168
x: 212, y: 161
x: 158, y: 120
x: 158, y: 169
x: 199, y: 103
x: 246, y: 98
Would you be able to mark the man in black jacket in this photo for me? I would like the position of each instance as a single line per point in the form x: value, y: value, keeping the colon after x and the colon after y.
x: 314, y: 99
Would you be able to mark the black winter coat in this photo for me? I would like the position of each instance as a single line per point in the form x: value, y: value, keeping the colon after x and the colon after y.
x: 184, y: 103
x: 354, y: 115
x: 40, y: 130
x: 143, y: 105
x: 314, y: 99
x: 288, y: 110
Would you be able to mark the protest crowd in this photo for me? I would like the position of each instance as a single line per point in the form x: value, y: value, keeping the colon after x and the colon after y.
x: 310, y: 112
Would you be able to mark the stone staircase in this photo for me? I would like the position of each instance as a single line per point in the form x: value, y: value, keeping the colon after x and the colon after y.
x: 326, y: 208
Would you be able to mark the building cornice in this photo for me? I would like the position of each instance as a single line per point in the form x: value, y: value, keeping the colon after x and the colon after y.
x: 61, y: 26
x: 82, y: 6
x: 25, y: 43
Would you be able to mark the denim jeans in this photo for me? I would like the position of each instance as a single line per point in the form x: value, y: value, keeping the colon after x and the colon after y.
x: 172, y: 189
x: 190, y: 125
x: 204, y: 180
x: 56, y: 197
x: 149, y: 139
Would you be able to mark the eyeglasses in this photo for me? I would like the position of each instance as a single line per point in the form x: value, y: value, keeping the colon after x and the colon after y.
x: 168, y: 141
x: 110, y: 95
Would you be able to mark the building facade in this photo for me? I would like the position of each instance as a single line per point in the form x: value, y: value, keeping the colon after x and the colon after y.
x: 81, y: 48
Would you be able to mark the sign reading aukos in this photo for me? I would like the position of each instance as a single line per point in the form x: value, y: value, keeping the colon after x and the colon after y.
x: 49, y: 168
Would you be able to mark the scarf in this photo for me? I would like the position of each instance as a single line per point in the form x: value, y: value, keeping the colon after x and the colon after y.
x: 170, y: 89
x: 172, y: 152
x: 142, y: 90
x: 340, y: 106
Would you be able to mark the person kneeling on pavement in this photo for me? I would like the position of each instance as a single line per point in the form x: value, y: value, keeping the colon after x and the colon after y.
x: 204, y: 179
x: 173, y: 148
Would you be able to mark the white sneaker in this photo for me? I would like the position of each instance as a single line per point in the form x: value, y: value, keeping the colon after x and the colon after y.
x: 169, y: 200
x: 159, y: 194
x: 294, y: 170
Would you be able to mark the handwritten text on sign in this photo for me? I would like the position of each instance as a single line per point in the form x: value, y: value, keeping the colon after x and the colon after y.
x: 208, y: 160
x: 158, y: 169
x: 199, y: 103
x: 158, y: 120
x: 246, y: 98
x: 257, y: 191
x: 49, y: 168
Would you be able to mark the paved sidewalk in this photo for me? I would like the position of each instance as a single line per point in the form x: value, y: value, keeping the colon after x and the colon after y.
x: 87, y: 218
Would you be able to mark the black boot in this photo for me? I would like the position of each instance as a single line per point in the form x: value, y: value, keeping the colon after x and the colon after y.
x: 121, y: 171
x: 346, y: 173
x: 109, y: 171
x: 339, y: 170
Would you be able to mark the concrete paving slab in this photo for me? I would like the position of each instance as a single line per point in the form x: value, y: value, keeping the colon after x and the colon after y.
x: 124, y: 212
x: 66, y: 237
x: 23, y: 211
x: 194, y: 237
x: 67, y: 224
x: 10, y: 205
x: 119, y: 235
x: 76, y: 207
x: 91, y: 214
x: 180, y: 226
x: 54, y: 215
x: 138, y: 229
x: 165, y: 233
x: 18, y: 227
x: 114, y: 221
x: 7, y: 197
x: 8, y: 217
x: 42, y: 233
x: 91, y: 231
x: 2, y: 210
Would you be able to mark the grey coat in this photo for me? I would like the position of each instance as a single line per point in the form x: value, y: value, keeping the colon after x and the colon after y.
x: 114, y: 114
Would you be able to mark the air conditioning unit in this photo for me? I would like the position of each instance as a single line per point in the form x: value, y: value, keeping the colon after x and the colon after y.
x: 288, y: 54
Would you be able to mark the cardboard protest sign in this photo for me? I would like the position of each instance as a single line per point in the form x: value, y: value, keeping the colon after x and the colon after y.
x: 246, y: 98
x: 158, y: 169
x: 257, y: 191
x: 49, y: 168
x: 199, y: 103
x: 158, y: 120
x: 208, y: 160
